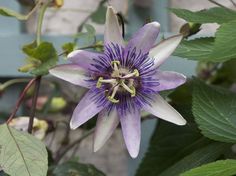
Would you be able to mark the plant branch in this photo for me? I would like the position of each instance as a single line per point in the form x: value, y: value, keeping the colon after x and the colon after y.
x: 22, y: 95
x: 66, y: 149
x: 233, y: 3
x: 218, y: 4
x: 40, y: 21
x: 34, y: 8
x: 11, y: 82
x: 34, y: 103
x: 86, y: 47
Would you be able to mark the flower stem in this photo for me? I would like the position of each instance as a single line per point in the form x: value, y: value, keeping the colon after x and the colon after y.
x: 66, y: 149
x: 11, y: 82
x: 22, y: 95
x: 38, y: 78
x: 34, y: 102
x: 40, y: 21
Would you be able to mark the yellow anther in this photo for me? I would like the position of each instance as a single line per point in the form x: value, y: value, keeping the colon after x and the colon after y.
x: 134, y: 91
x: 136, y: 72
x: 99, y: 83
x: 115, y: 62
x: 131, y: 90
x: 113, y: 100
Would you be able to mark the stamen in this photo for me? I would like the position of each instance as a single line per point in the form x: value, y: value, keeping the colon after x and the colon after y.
x: 99, y: 84
x: 111, y: 98
x: 101, y: 80
x: 131, y: 90
x: 135, y: 73
x: 115, y: 64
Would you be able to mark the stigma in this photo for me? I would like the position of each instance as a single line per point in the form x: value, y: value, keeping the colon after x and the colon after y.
x: 120, y: 80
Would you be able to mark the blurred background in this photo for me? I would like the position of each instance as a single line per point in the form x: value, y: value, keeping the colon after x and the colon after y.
x: 59, y: 26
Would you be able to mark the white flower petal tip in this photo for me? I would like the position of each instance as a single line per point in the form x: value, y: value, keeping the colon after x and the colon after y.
x: 182, y: 123
x: 155, y: 24
x: 112, y: 32
x: 73, y: 54
x: 71, y: 73
x: 134, y: 154
x: 161, y: 109
x: 106, y: 125
x: 164, y: 49
x: 73, y: 126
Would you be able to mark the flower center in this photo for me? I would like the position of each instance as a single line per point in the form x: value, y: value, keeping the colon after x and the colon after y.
x: 120, y: 80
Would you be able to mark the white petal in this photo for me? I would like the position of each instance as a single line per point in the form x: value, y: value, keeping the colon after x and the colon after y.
x: 106, y: 125
x: 131, y: 129
x: 144, y: 39
x: 164, y: 49
x: 71, y: 73
x: 85, y: 110
x: 112, y: 30
x: 83, y: 58
x: 163, y: 110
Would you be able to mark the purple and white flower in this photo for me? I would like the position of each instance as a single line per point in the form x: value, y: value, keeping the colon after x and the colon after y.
x: 123, y: 80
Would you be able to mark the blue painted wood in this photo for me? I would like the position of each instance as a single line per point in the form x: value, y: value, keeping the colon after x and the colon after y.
x: 9, y: 25
x: 157, y: 12
x: 11, y: 53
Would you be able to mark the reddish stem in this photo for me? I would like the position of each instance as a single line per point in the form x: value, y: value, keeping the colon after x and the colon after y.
x: 34, y: 103
x: 20, y: 99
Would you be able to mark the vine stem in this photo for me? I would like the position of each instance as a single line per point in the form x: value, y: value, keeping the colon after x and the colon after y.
x: 38, y: 78
x: 218, y: 4
x: 22, y: 95
x: 40, y: 21
x: 12, y: 82
x: 34, y: 103
x: 66, y: 149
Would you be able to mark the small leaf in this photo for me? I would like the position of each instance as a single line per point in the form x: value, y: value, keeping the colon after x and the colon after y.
x: 213, y: 15
x: 214, y: 111
x: 45, y: 51
x: 21, y: 153
x: 88, y: 37
x: 10, y: 13
x: 44, y: 67
x: 99, y: 15
x: 45, y: 54
x: 198, y: 49
x: 68, y: 47
x: 225, y: 46
x: 218, y: 168
x: 74, y: 168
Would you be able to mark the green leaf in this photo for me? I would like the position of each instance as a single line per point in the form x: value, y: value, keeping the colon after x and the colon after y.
x: 41, y: 58
x: 44, y: 67
x: 44, y: 52
x: 68, y: 47
x: 10, y: 13
x: 214, y: 110
x: 225, y: 46
x: 177, y: 148
x: 198, y: 49
x: 22, y: 154
x: 227, y: 73
x: 199, y: 157
x: 76, y: 169
x: 214, y: 15
x: 88, y: 37
x: 218, y: 168
x: 99, y: 15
